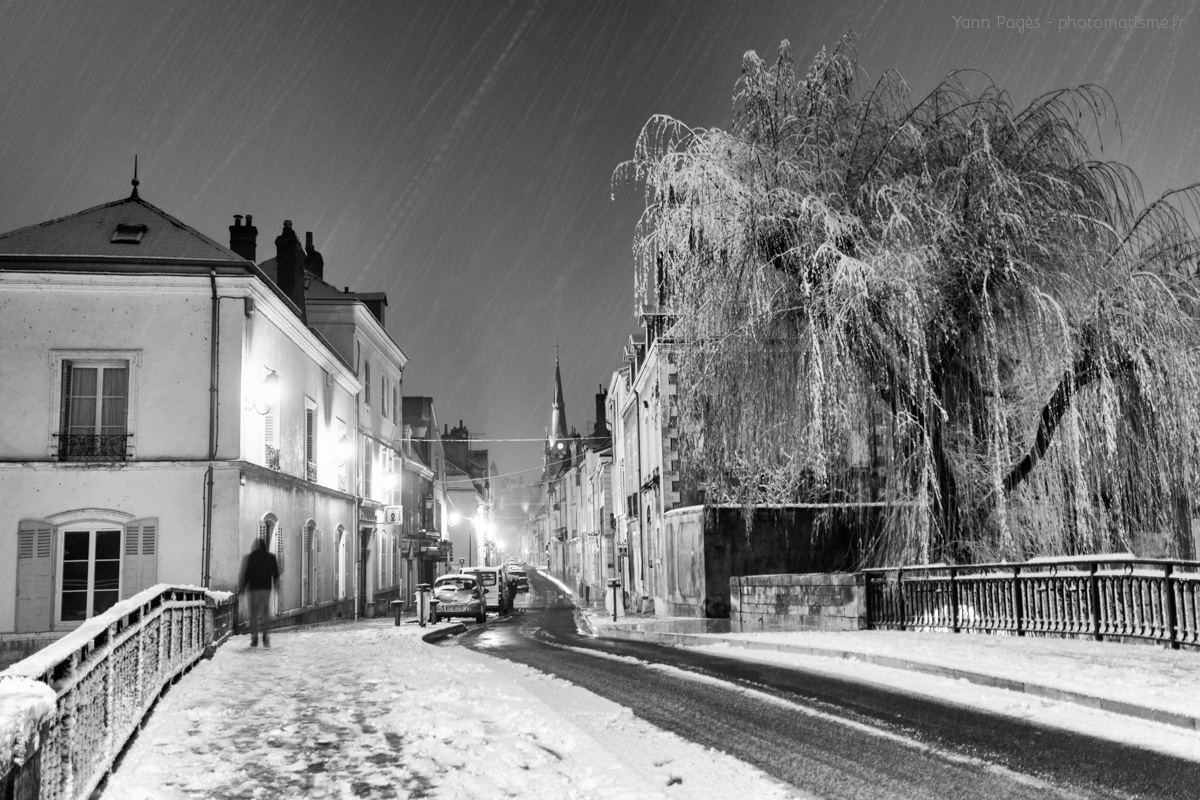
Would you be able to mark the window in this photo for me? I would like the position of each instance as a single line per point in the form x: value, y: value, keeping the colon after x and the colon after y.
x: 89, y: 572
x: 94, y: 419
x: 383, y: 560
x: 308, y: 558
x: 343, y: 483
x: 369, y: 456
x: 127, y: 233
x: 396, y: 401
x: 310, y: 440
x: 367, y: 382
x: 383, y: 396
x: 270, y: 530
x: 342, y: 577
x: 271, y: 439
x: 266, y: 527
x: 77, y: 564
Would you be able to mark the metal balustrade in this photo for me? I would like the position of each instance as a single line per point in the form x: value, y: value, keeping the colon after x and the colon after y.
x: 93, y: 447
x: 1106, y: 597
x: 105, y: 676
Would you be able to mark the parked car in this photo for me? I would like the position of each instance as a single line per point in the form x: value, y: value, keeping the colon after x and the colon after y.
x: 518, y: 578
x: 458, y: 595
x: 495, y: 587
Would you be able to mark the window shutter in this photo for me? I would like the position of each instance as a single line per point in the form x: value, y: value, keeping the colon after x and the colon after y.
x: 279, y: 547
x: 131, y: 561
x: 310, y: 451
x: 305, y: 563
x: 65, y: 421
x: 316, y: 566
x: 35, y: 571
x: 140, y: 568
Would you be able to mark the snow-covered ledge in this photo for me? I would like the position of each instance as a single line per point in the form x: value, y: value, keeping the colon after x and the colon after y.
x: 67, y: 710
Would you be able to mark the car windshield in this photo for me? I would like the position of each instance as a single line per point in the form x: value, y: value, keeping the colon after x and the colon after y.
x: 454, y: 584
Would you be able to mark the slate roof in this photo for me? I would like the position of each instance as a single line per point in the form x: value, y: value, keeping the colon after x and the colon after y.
x: 90, y: 233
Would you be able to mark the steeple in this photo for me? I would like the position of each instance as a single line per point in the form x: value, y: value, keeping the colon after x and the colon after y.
x: 558, y: 410
x: 558, y: 445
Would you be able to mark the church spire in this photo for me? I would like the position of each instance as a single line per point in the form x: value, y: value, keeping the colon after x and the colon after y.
x: 558, y: 411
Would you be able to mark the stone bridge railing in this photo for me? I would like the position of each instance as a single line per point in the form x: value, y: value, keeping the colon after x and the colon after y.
x: 1101, y: 597
x: 67, y: 711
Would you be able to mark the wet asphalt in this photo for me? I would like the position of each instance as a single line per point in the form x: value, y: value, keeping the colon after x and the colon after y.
x: 822, y: 734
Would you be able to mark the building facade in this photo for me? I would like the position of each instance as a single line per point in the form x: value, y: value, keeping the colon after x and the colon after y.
x: 173, y: 405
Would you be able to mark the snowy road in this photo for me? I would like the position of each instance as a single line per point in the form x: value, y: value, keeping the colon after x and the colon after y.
x: 827, y: 735
x: 369, y: 710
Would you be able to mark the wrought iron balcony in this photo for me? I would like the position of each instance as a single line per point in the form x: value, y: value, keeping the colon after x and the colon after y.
x: 312, y: 472
x: 272, y: 457
x: 93, y: 447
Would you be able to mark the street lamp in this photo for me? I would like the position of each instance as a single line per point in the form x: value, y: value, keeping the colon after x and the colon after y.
x: 266, y: 396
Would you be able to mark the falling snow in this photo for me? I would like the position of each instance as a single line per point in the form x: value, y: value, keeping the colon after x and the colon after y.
x: 467, y: 148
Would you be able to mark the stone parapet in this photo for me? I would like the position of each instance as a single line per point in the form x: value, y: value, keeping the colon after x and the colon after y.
x: 818, y: 601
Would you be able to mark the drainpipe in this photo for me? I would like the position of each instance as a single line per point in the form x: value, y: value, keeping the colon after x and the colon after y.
x: 359, y: 578
x: 637, y: 407
x: 214, y: 373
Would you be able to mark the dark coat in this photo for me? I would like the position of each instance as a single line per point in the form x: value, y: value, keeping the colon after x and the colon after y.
x: 260, y: 570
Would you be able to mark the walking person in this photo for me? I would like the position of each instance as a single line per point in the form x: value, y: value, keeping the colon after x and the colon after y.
x: 260, y: 574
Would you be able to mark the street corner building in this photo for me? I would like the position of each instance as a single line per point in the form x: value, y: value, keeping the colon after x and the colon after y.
x: 168, y: 401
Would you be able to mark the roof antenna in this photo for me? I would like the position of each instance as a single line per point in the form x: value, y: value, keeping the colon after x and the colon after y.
x: 135, y: 181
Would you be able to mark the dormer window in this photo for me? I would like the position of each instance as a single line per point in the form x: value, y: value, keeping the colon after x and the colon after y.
x: 128, y: 234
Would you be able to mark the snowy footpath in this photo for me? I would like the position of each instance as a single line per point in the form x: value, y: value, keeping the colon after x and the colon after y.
x: 369, y: 710
x: 1072, y: 684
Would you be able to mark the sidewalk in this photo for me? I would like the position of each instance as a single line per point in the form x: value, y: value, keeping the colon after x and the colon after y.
x: 1143, y: 681
x: 369, y: 709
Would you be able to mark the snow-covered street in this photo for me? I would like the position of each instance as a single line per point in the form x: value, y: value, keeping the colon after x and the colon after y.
x: 368, y: 709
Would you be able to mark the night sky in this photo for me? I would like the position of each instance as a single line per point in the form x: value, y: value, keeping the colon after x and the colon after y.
x: 459, y: 155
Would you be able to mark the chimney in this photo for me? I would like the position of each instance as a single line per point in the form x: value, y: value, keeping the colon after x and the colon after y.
x: 289, y: 263
x: 243, y: 239
x: 601, y: 430
x: 314, y: 262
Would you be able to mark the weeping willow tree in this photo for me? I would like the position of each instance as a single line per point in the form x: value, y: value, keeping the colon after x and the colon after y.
x: 946, y: 306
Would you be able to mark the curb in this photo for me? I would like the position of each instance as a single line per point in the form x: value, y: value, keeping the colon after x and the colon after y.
x: 1036, y: 690
x: 433, y: 637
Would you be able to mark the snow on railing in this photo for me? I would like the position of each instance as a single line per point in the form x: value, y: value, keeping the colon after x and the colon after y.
x: 1101, y: 597
x: 67, y: 710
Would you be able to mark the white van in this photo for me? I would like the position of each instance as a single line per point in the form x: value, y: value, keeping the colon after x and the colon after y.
x: 495, y: 587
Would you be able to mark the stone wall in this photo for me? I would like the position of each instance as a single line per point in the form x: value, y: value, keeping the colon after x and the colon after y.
x: 821, y: 601
x: 15, y: 647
